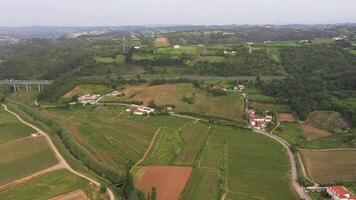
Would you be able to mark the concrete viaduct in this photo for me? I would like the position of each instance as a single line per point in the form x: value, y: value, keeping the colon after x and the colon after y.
x: 27, y: 83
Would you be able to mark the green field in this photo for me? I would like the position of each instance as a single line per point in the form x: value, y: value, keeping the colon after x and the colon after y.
x: 87, y: 89
x: 228, y: 107
x: 119, y: 59
x: 12, y: 129
x: 292, y: 133
x: 281, y: 108
x: 111, y: 135
x: 202, y: 184
x: 24, y: 157
x: 256, y: 167
x: 48, y: 186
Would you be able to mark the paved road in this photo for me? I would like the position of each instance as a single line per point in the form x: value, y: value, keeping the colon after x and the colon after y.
x: 60, y: 158
x: 26, y: 82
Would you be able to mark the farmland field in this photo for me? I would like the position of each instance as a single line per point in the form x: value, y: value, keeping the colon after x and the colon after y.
x: 203, y: 184
x: 313, y: 133
x: 48, y: 186
x: 203, y: 103
x: 330, y: 166
x: 256, y: 167
x: 12, y: 129
x: 119, y: 59
x: 168, y: 181
x: 108, y: 133
x: 87, y: 89
x: 286, y: 117
x: 23, y: 157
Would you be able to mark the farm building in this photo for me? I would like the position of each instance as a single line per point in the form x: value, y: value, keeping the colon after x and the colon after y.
x: 258, y: 123
x: 239, y: 88
x: 340, y: 193
x: 141, y: 110
x: 176, y: 46
x: 115, y: 94
x: 92, y: 99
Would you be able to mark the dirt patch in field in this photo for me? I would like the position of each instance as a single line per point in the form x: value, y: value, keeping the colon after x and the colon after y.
x: 313, y: 133
x: 161, y: 94
x: 76, y: 195
x: 161, y: 42
x: 71, y: 92
x: 285, y: 117
x: 169, y: 181
x: 328, y: 166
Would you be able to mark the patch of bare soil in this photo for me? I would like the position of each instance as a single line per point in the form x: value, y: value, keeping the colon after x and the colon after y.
x: 169, y: 181
x: 313, y: 133
x: 285, y: 117
x: 76, y: 195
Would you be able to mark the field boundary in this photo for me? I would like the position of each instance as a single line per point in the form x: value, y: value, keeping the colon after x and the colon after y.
x: 57, y: 154
x: 148, y: 149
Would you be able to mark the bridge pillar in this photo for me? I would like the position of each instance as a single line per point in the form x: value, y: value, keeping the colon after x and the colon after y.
x: 14, y: 88
x: 39, y: 88
x: 26, y: 88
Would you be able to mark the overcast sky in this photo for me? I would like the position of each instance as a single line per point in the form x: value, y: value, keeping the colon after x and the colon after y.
x: 141, y: 12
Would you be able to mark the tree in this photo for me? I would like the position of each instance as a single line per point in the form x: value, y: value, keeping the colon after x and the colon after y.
x: 153, y: 194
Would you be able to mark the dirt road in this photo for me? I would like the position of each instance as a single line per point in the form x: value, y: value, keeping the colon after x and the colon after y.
x: 60, y: 158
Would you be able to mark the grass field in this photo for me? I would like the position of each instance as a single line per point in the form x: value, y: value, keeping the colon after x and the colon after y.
x: 21, y: 158
x: 330, y: 166
x: 48, y: 186
x: 228, y: 107
x: 119, y: 59
x: 292, y: 133
x: 281, y: 108
x: 12, y: 129
x: 87, y: 89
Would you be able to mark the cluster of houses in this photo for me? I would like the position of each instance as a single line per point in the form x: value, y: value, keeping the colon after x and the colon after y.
x: 257, y: 122
x: 140, y: 110
x: 340, y: 193
x: 239, y: 88
x: 89, y: 99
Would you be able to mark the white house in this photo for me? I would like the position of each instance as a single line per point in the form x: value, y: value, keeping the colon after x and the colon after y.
x: 340, y: 193
x: 176, y: 46
x: 87, y: 98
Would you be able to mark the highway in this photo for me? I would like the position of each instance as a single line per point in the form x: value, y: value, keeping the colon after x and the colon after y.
x: 26, y: 82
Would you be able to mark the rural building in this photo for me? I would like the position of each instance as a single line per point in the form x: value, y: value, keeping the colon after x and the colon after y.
x: 258, y: 123
x: 92, y: 99
x: 340, y: 193
x: 141, y: 110
x: 239, y: 88
x: 176, y: 46
x: 137, y: 47
x: 115, y: 94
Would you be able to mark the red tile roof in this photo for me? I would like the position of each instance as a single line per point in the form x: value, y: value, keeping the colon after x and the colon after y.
x: 342, y: 192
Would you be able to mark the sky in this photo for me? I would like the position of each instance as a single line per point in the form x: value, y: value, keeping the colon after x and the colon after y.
x: 169, y: 12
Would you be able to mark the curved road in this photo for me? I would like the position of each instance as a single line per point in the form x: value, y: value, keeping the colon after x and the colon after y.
x: 299, y: 189
x: 60, y: 158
